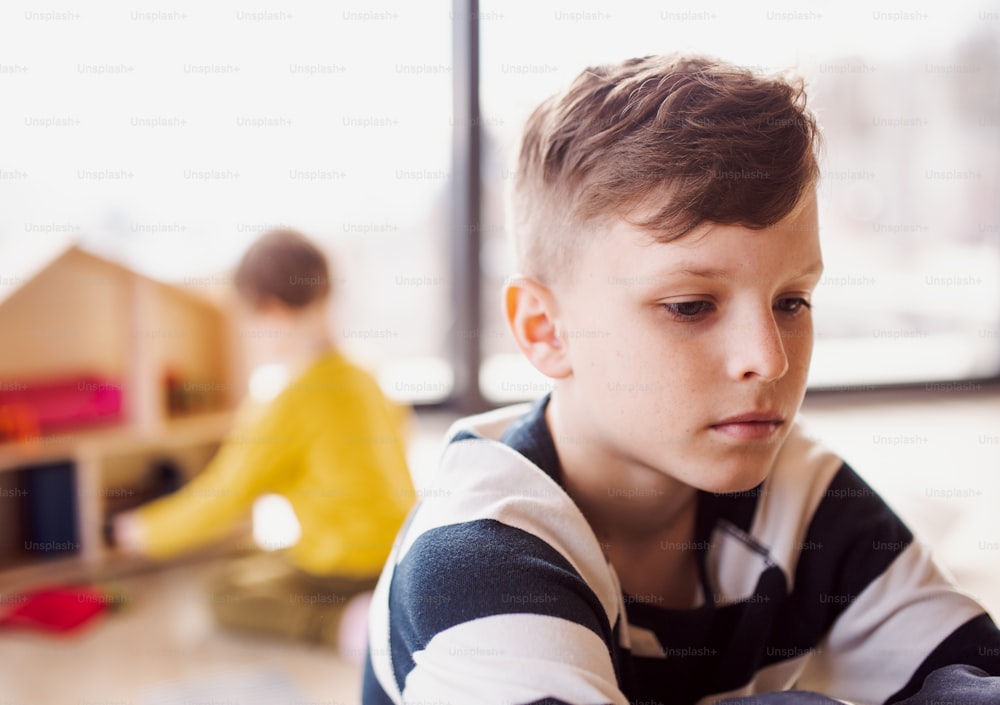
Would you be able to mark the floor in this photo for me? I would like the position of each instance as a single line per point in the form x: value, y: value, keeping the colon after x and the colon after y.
x: 162, y: 647
x: 935, y: 458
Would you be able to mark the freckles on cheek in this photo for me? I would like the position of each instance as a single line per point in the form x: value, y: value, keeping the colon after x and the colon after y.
x: 691, y: 365
x: 799, y: 347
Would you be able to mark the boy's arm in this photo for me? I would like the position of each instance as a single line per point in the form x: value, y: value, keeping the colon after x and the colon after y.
x: 496, y: 592
x: 898, y: 625
x: 253, y: 459
x: 956, y: 684
x: 482, y: 611
x: 964, y: 668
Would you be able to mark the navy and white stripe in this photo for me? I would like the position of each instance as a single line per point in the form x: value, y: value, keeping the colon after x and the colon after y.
x: 498, y: 591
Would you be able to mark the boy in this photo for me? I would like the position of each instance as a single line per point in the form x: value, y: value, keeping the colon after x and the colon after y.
x: 658, y: 529
x: 328, y: 440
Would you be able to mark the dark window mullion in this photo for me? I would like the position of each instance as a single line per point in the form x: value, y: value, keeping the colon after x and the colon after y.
x: 466, y: 202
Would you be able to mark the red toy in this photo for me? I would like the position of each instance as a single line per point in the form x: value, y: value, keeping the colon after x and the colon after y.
x: 67, y: 403
x: 57, y: 609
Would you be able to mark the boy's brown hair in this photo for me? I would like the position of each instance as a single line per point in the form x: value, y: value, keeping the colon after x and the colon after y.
x: 283, y: 265
x: 665, y: 142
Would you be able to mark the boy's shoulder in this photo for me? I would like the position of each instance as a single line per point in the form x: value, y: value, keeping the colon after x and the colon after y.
x: 329, y: 376
x: 489, y: 424
x: 488, y: 509
x: 480, y: 476
x: 328, y: 397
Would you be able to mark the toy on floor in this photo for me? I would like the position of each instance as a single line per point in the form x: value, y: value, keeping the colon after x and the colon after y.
x: 58, y: 609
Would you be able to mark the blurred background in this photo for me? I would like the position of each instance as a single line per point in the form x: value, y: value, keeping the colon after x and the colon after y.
x: 167, y: 139
x: 143, y: 146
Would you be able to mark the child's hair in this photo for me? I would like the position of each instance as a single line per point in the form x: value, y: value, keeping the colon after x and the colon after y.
x: 284, y: 265
x: 665, y: 142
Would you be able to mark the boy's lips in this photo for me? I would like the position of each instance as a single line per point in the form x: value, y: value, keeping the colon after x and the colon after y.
x: 753, y: 426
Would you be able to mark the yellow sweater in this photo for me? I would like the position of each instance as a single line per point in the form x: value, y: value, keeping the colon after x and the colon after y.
x: 331, y: 443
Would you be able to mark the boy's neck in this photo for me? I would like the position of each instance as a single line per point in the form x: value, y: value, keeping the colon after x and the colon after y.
x: 311, y: 336
x: 624, y: 501
x: 293, y: 340
x: 299, y: 360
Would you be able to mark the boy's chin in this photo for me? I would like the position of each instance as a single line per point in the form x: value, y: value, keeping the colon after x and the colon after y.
x: 740, y: 480
x: 738, y: 469
x: 741, y: 488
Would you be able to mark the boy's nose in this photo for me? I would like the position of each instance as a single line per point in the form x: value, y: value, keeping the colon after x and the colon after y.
x: 757, y: 350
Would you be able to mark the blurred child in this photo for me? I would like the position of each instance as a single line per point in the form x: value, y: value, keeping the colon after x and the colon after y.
x: 320, y: 433
x: 659, y: 529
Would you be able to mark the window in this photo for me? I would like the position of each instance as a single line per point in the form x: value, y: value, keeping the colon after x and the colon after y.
x: 169, y: 139
x: 910, y: 222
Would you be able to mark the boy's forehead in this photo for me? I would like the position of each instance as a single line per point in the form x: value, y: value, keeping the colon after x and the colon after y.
x: 710, y: 249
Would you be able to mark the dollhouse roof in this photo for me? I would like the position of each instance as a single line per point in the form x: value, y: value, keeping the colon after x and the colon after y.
x: 23, y: 260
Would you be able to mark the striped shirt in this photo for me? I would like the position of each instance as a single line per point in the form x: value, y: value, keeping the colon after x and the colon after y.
x: 498, y: 591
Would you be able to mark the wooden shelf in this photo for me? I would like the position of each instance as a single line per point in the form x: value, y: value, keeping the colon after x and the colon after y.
x: 114, y: 566
x: 106, y: 465
x: 120, y: 438
x: 75, y: 314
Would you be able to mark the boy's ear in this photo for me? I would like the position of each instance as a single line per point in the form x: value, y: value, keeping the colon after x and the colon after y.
x: 272, y: 306
x: 532, y: 318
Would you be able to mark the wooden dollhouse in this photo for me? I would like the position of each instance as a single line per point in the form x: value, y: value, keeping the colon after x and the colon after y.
x: 114, y: 387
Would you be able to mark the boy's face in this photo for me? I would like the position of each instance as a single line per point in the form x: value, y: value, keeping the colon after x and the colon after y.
x: 690, y: 358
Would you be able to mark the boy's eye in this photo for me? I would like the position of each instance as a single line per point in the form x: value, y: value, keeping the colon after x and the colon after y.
x: 688, y: 309
x: 793, y: 304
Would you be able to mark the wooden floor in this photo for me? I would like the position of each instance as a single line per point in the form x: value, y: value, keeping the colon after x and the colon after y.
x: 935, y: 458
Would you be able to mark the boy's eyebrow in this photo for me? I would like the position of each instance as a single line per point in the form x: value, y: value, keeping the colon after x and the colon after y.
x: 704, y: 273
x: 715, y: 273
